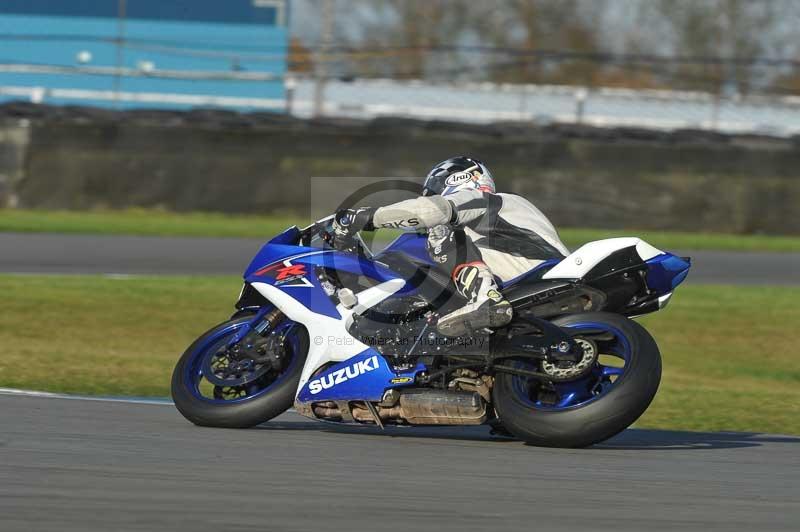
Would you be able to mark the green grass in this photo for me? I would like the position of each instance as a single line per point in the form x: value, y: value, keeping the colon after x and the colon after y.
x: 102, y: 335
x: 730, y: 360
x: 163, y: 223
x: 730, y: 356
x: 144, y: 222
x: 671, y: 240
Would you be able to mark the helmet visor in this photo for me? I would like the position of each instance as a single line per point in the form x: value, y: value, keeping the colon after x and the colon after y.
x: 434, y: 183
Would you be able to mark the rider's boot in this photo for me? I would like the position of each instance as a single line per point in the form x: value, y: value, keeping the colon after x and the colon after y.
x: 486, y: 307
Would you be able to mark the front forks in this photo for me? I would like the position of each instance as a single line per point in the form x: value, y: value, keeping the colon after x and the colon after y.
x: 262, y: 320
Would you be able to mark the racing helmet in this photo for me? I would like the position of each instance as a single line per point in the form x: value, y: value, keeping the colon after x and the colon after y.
x: 458, y: 173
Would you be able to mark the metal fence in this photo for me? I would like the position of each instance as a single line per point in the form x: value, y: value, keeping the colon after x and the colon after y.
x: 603, y: 107
x: 471, y: 103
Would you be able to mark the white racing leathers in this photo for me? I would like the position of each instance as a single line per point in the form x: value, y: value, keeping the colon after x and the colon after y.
x: 506, y: 231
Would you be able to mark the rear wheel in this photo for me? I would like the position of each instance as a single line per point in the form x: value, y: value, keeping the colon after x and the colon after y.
x: 597, y: 404
x: 222, y: 382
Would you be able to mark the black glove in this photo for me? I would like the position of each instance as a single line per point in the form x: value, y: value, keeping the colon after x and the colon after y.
x: 348, y: 222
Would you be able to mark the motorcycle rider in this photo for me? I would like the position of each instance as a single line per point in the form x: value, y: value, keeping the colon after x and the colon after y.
x: 474, y: 233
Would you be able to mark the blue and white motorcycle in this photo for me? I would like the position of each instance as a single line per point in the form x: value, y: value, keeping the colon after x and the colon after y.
x: 348, y: 337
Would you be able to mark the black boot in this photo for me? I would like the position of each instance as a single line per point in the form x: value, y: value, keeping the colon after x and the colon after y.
x: 486, y: 307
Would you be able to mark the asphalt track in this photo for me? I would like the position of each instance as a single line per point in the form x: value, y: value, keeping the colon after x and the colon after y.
x: 73, y: 465
x: 49, y: 253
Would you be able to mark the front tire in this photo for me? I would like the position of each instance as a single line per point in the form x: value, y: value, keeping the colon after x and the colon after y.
x: 592, y: 418
x: 241, y: 412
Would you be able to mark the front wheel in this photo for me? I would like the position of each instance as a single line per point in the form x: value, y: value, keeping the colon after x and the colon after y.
x: 227, y: 378
x: 596, y: 405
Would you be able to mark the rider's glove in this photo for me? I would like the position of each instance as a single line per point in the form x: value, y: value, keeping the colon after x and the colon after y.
x: 348, y: 222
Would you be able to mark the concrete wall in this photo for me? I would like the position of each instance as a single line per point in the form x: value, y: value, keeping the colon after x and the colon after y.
x: 220, y: 161
x: 14, y: 137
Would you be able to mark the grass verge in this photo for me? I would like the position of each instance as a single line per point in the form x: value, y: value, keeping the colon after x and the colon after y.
x: 144, y: 222
x: 729, y: 357
x: 162, y: 223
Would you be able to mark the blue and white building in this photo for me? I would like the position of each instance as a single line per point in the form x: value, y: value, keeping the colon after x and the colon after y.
x: 145, y: 53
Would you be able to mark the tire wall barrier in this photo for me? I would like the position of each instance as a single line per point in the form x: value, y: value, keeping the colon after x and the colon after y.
x: 78, y: 158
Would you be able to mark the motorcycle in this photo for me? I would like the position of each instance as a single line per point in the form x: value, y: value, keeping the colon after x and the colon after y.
x: 349, y: 337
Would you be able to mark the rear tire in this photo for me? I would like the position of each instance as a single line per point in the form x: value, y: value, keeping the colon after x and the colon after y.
x: 240, y: 414
x: 599, y: 419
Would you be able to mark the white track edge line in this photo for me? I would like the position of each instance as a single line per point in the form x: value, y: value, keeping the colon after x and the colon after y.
x: 49, y: 395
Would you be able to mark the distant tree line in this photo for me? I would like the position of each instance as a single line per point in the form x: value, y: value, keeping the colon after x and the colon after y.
x: 718, y: 46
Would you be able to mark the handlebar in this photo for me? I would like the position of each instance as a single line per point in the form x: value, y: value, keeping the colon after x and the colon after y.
x: 323, y: 229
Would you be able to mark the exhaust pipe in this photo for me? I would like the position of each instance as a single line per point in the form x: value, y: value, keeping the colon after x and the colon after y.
x: 439, y: 407
x: 417, y: 407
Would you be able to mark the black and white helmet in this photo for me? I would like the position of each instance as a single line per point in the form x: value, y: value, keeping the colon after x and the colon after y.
x: 458, y: 173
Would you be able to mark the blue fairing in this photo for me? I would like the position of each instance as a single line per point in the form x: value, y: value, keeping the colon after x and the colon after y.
x: 364, y: 377
x: 310, y: 295
x: 272, y: 253
x: 412, y: 244
x: 290, y: 236
x: 666, y: 271
x: 307, y: 289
